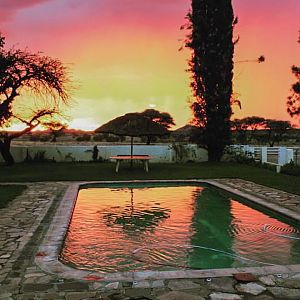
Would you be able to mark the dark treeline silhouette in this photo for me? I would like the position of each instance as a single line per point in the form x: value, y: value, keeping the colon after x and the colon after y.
x: 259, y: 130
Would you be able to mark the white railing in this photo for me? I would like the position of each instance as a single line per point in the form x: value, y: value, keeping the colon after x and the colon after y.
x: 277, y: 156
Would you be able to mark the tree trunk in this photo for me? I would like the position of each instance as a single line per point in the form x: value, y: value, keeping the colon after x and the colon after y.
x: 148, y: 139
x: 5, y: 152
x: 214, y: 153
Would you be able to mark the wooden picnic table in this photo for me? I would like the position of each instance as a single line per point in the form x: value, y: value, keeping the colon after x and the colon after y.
x: 143, y: 158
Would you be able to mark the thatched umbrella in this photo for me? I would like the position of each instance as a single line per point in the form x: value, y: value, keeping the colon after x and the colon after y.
x: 133, y: 124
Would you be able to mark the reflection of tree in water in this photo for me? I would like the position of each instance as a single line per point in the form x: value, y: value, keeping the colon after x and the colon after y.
x: 210, y: 224
x: 294, y: 255
x: 136, y: 220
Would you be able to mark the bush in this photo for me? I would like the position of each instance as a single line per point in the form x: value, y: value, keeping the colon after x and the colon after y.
x: 98, y: 138
x: 112, y: 139
x: 239, y: 156
x: 39, y: 156
x: 84, y: 138
x: 44, y: 138
x: 290, y: 169
x: 34, y: 138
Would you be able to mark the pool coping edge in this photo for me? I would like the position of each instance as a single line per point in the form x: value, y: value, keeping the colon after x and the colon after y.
x: 47, y: 256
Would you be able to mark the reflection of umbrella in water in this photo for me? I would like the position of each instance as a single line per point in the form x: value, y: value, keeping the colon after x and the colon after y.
x: 136, y: 220
x: 133, y: 124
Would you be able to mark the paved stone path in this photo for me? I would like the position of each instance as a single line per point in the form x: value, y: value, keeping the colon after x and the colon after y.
x: 284, y: 199
x: 23, y: 225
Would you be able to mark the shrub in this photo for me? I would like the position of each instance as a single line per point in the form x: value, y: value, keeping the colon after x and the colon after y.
x: 291, y: 169
x: 34, y: 138
x: 112, y: 139
x: 181, y: 152
x: 98, y: 138
x: 84, y: 138
x: 39, y: 156
x: 239, y: 156
x: 44, y: 138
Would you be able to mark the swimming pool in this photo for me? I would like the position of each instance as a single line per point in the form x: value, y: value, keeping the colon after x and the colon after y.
x: 171, y: 226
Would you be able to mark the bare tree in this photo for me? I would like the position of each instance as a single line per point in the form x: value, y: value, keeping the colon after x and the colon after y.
x: 23, y: 75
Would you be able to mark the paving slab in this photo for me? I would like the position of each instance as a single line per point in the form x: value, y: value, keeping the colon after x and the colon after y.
x: 25, y: 221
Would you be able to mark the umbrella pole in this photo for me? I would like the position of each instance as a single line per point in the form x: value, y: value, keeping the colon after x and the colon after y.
x: 131, y: 150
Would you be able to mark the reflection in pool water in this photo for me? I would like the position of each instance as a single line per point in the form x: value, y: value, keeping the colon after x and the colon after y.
x: 165, y: 228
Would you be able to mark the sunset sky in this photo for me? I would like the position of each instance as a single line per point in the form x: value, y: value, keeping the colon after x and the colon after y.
x: 124, y: 56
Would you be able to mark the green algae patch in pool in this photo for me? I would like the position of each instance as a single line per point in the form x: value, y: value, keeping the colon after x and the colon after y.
x: 140, y: 227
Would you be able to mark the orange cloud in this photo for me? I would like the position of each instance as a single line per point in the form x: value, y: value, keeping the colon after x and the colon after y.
x: 124, y: 53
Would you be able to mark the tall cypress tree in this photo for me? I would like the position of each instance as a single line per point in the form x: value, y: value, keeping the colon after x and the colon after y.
x: 211, y: 40
x: 293, y: 102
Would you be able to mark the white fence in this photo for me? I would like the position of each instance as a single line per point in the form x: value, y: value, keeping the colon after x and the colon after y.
x: 165, y: 153
x: 160, y: 153
x: 277, y: 156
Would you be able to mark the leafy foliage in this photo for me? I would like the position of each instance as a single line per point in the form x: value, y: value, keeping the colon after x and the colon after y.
x: 163, y: 118
x: 56, y: 129
x: 211, y: 25
x: 276, y: 130
x: 83, y: 138
x: 291, y: 169
x: 246, y: 128
x: 293, y: 102
x: 239, y: 156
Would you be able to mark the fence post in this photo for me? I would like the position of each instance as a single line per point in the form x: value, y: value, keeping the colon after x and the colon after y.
x: 289, y: 155
x: 281, y: 156
x: 250, y: 151
x: 285, y: 156
x: 264, y: 155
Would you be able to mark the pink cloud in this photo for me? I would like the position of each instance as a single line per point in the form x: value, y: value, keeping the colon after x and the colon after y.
x: 8, y: 8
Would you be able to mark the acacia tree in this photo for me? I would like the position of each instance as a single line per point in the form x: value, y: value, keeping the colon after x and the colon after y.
x: 253, y: 124
x: 163, y: 118
x: 211, y: 40
x: 240, y: 129
x: 293, y: 102
x: 23, y: 73
x: 276, y: 129
x: 56, y: 129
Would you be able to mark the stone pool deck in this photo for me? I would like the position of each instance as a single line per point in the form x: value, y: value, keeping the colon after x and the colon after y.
x: 24, y: 223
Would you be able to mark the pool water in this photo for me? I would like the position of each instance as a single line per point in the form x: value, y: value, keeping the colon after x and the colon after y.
x: 134, y: 228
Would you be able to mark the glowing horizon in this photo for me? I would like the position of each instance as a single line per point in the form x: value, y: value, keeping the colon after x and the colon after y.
x: 124, y: 54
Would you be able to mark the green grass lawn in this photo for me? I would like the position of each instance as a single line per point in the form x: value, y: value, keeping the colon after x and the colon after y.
x: 10, y: 192
x: 26, y: 172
